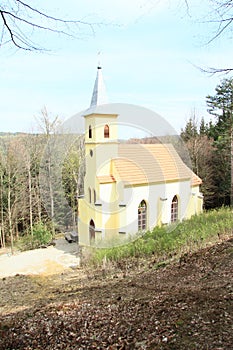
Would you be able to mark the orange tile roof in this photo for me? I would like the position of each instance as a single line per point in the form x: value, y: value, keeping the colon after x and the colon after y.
x: 196, y: 181
x: 151, y: 163
x: 104, y: 179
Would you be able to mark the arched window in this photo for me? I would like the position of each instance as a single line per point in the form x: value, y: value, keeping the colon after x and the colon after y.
x: 94, y: 196
x: 174, y: 209
x: 90, y: 132
x: 89, y: 194
x: 92, y: 230
x: 142, y: 216
x: 106, y: 131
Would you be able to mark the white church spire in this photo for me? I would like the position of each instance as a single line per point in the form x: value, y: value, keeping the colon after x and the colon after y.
x: 99, y: 93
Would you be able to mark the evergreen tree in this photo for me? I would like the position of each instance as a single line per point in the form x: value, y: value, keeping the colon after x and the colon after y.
x: 221, y: 106
x: 190, y: 130
x: 203, y: 128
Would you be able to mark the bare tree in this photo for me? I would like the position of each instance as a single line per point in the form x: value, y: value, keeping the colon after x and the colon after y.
x: 2, y: 219
x: 220, y: 14
x: 13, y: 185
x: 49, y: 126
x: 20, y: 21
x: 29, y: 151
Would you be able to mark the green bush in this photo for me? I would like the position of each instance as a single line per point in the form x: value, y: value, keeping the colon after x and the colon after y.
x: 40, y: 236
x: 165, y: 242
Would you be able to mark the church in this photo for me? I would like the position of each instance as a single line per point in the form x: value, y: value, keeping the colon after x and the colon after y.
x: 129, y: 188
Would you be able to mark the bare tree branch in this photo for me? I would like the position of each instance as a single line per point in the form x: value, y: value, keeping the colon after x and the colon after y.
x: 187, y: 7
x: 8, y: 28
x: 221, y: 29
x: 18, y: 16
x: 221, y: 14
x: 212, y: 70
x: 51, y: 17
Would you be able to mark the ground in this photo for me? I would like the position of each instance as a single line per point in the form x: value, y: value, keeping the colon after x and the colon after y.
x: 52, y: 260
x: 187, y: 304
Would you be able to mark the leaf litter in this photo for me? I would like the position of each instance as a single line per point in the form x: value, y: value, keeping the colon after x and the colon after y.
x: 187, y: 304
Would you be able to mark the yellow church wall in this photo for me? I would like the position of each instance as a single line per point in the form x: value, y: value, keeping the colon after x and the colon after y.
x: 87, y: 212
x: 159, y: 216
x: 162, y: 211
x: 199, y: 204
x: 118, y: 212
x: 104, y: 153
x: 195, y: 205
x: 97, y: 123
x: 82, y: 222
x: 99, y: 149
x: 107, y: 195
x: 115, y: 210
x: 104, y: 214
x: 191, y: 209
x: 99, y: 164
x: 159, y: 199
x: 110, y: 214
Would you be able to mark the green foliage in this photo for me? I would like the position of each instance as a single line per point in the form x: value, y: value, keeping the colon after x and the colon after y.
x: 42, y: 235
x: 221, y: 106
x: 165, y: 242
x: 211, y: 147
x: 70, y: 176
x: 190, y: 130
x: 203, y: 128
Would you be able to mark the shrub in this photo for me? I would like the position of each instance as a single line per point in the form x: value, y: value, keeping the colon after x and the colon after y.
x: 165, y: 242
x: 41, y: 235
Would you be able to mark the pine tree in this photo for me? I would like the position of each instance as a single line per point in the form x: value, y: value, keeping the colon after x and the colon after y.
x: 190, y: 129
x: 200, y: 148
x: 221, y: 106
x: 203, y: 128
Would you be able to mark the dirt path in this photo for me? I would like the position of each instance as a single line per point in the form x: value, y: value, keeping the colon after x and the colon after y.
x: 47, y: 261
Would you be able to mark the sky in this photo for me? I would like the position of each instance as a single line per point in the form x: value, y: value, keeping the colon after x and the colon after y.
x: 149, y: 53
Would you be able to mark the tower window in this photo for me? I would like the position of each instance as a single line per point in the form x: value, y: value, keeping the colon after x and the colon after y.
x: 90, y: 132
x: 106, y: 131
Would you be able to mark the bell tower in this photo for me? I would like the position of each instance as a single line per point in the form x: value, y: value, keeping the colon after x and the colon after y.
x: 101, y: 133
x: 101, y: 146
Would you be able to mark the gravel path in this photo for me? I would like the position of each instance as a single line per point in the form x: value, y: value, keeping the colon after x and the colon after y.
x: 47, y: 261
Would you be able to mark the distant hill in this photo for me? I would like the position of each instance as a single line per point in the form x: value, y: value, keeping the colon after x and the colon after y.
x: 17, y: 133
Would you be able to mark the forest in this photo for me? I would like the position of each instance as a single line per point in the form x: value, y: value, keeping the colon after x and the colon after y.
x: 39, y: 189
x: 41, y: 173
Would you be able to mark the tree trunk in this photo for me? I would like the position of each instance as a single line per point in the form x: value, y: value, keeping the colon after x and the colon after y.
x: 231, y: 191
x: 10, y: 218
x: 2, y: 213
x: 30, y: 199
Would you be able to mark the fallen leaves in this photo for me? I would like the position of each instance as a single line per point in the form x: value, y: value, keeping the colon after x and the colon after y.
x: 179, y: 306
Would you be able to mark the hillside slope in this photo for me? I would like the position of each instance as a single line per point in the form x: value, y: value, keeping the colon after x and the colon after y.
x: 185, y: 305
